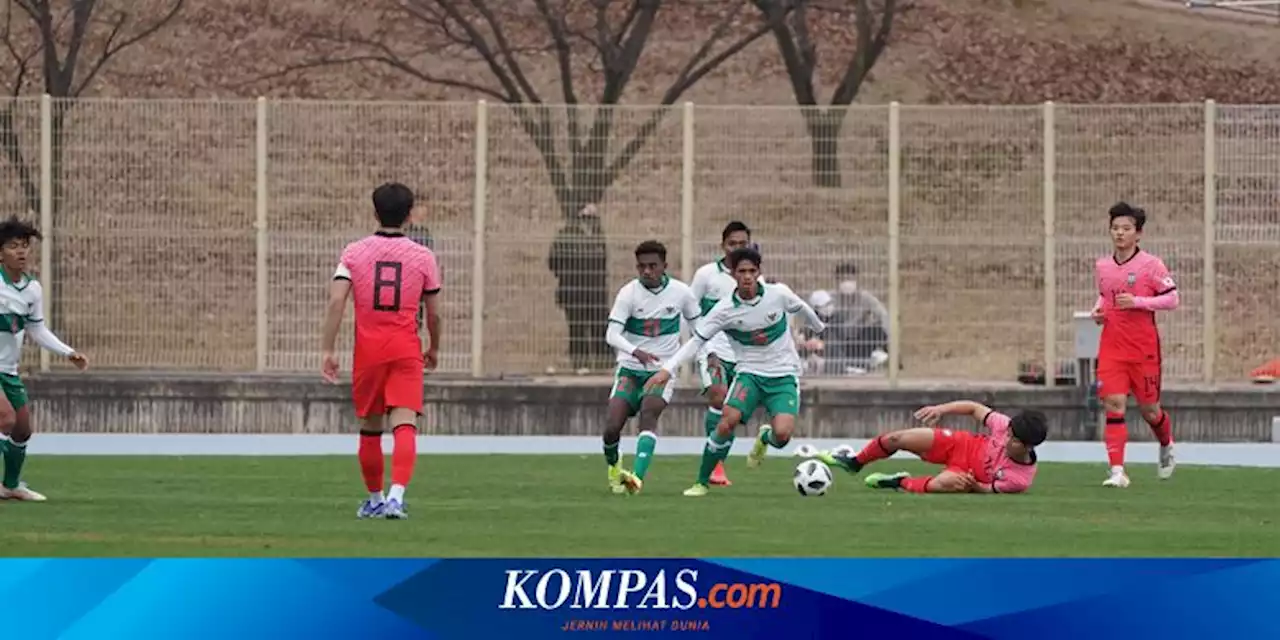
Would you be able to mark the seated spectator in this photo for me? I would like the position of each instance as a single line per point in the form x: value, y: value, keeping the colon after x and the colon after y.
x: 861, y: 323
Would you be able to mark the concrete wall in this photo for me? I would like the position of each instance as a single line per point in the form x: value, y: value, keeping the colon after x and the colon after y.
x: 159, y: 403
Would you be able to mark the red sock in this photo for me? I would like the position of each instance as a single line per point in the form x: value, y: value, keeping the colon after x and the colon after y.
x: 917, y: 485
x: 1162, y: 429
x: 1116, y: 436
x: 872, y: 452
x: 404, y: 455
x: 371, y: 460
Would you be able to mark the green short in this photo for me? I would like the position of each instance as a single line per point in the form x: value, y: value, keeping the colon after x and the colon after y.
x: 711, y: 377
x: 778, y: 396
x: 14, y: 390
x: 628, y: 384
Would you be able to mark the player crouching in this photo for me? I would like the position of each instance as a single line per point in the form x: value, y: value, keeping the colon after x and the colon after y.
x: 1003, y: 461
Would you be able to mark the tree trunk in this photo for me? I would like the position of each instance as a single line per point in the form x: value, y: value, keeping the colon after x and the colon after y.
x: 579, y: 259
x: 824, y: 138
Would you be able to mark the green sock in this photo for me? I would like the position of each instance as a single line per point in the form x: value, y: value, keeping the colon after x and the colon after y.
x: 767, y: 436
x: 611, y: 454
x: 710, y: 420
x: 14, y: 455
x: 714, y: 451
x: 644, y: 452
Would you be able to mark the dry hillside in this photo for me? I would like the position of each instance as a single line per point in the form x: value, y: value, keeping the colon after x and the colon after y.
x: 971, y: 191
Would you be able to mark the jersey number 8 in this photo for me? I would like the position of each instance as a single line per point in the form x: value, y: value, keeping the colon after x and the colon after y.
x: 387, y: 275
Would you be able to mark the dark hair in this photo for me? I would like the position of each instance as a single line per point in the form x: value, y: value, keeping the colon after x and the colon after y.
x: 846, y: 269
x: 734, y: 227
x: 651, y: 247
x: 1030, y: 427
x: 392, y: 202
x: 1125, y: 210
x: 14, y: 228
x: 745, y: 253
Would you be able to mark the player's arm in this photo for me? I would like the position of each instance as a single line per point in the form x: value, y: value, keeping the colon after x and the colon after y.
x: 975, y: 410
x: 339, y: 291
x: 1166, y: 297
x: 711, y: 324
x: 618, y: 315
x: 431, y: 284
x: 801, y: 308
x: 43, y: 335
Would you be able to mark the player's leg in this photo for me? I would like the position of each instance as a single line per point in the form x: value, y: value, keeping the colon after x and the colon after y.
x: 404, y: 389
x: 1147, y: 393
x: 651, y: 407
x: 366, y: 395
x: 624, y: 402
x: 15, y: 424
x: 715, y: 388
x: 781, y: 398
x: 1113, y: 389
x: 946, y: 481
x: 743, y: 400
x: 930, y: 444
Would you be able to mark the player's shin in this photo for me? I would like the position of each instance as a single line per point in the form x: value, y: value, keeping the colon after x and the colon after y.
x: 915, y: 485
x: 710, y: 419
x: 15, y: 455
x: 403, y: 459
x: 1161, y: 427
x: 775, y: 436
x: 1116, y: 437
x: 715, y: 450
x: 645, y: 445
x: 372, y: 462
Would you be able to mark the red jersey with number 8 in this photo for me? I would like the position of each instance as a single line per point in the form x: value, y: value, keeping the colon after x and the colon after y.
x: 389, y: 276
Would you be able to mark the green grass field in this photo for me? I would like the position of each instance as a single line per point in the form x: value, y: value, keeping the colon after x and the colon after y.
x: 559, y: 506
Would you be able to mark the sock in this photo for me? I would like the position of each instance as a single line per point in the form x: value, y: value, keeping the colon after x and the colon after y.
x: 1116, y: 435
x: 15, y: 453
x: 372, y: 463
x: 714, y: 451
x: 644, y: 452
x: 611, y: 453
x: 1162, y: 429
x: 396, y: 493
x: 403, y: 457
x: 915, y: 485
x: 875, y: 450
x: 710, y: 420
x: 770, y: 438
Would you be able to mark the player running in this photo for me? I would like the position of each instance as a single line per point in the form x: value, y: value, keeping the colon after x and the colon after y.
x: 23, y: 313
x: 755, y: 319
x: 388, y: 275
x: 713, y: 282
x: 1132, y: 286
x: 644, y: 328
x: 1002, y: 462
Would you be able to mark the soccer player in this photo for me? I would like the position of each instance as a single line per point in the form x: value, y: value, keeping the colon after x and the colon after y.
x: 1002, y: 462
x: 713, y: 282
x: 755, y: 319
x: 1132, y: 286
x: 644, y: 328
x: 388, y: 275
x: 23, y: 313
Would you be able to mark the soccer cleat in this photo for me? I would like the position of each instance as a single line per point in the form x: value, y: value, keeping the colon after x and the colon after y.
x: 615, y: 479
x: 696, y: 491
x: 1167, y: 462
x: 758, y: 451
x: 22, y: 492
x: 394, y: 510
x: 1117, y: 479
x: 837, y: 459
x: 631, y: 483
x: 718, y: 477
x: 886, y: 480
x: 370, y: 509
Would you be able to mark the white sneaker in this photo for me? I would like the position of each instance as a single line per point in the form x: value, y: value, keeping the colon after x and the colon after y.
x: 21, y: 493
x: 1167, y: 462
x: 1118, y: 479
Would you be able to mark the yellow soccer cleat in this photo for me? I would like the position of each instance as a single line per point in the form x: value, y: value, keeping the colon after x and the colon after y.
x: 697, y: 491
x: 631, y: 482
x: 758, y: 451
x: 615, y: 479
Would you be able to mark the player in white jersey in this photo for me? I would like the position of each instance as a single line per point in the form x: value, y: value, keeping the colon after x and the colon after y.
x: 22, y: 313
x: 755, y: 319
x: 712, y: 283
x: 644, y: 328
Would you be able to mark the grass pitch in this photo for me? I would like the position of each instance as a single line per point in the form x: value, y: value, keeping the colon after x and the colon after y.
x: 559, y: 506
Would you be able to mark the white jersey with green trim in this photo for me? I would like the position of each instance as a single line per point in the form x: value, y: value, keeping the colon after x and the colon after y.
x: 21, y: 304
x: 713, y: 282
x: 650, y: 319
x: 758, y: 330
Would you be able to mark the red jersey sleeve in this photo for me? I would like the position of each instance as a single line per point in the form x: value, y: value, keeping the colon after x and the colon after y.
x: 1159, y: 278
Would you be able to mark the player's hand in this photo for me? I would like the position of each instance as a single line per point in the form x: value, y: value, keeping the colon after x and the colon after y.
x: 968, y: 482
x: 814, y: 345
x: 929, y: 415
x: 430, y: 359
x: 645, y: 357
x: 329, y: 368
x: 80, y: 360
x: 1098, y: 316
x: 1125, y: 301
x: 657, y: 381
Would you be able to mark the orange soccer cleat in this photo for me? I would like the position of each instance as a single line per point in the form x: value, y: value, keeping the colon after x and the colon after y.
x: 718, y: 477
x: 1267, y: 373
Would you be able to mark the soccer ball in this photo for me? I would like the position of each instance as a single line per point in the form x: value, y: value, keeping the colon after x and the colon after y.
x: 812, y: 478
x: 845, y: 450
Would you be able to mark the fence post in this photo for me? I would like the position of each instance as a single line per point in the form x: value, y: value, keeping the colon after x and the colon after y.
x: 260, y: 227
x: 478, y: 237
x: 1050, y: 190
x: 1210, y: 335
x: 687, y: 262
x: 46, y: 213
x: 895, y: 224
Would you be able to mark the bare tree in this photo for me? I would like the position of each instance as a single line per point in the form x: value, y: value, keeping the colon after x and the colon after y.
x: 591, y: 49
x: 872, y: 25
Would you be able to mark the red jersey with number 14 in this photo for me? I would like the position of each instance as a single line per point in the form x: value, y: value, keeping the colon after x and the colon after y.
x: 1130, y: 335
x: 389, y: 276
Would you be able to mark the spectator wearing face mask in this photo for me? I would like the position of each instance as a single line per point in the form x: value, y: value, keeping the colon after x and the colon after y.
x: 862, y: 321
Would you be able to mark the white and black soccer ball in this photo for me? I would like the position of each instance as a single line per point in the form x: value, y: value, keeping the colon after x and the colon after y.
x: 845, y: 450
x: 813, y: 478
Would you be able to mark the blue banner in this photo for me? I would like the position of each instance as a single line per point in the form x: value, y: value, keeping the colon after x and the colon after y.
x: 403, y: 599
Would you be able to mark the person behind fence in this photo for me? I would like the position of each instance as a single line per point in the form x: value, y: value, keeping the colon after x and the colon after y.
x: 857, y: 337
x: 579, y: 260
x: 810, y: 343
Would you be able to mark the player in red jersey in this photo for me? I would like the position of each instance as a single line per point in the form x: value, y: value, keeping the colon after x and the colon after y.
x: 1132, y: 286
x: 388, y: 275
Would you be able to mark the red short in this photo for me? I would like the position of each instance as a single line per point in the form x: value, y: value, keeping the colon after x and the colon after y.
x: 956, y: 450
x: 1142, y: 379
x: 377, y: 388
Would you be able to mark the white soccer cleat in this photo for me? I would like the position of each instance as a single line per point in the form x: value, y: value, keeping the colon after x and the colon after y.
x: 1167, y: 462
x: 22, y: 492
x: 1118, y: 479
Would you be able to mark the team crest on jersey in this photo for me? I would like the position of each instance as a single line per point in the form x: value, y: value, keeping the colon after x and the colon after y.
x: 999, y: 474
x: 671, y: 309
x: 1133, y: 277
x: 773, y: 316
